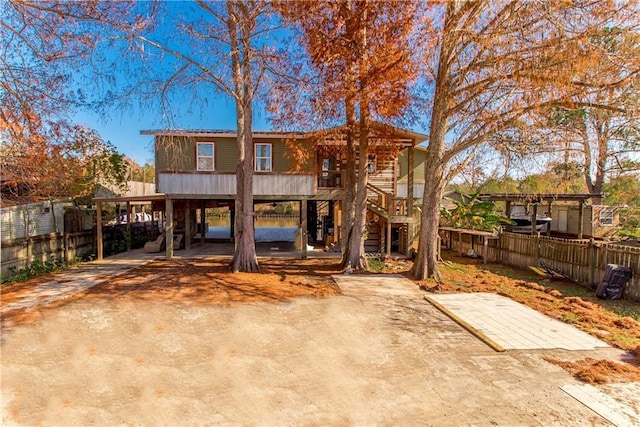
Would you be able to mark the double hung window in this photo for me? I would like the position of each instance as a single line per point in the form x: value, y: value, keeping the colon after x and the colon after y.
x: 206, y: 156
x: 263, y: 158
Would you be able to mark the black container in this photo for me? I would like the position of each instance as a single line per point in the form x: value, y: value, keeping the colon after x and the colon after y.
x: 614, y: 282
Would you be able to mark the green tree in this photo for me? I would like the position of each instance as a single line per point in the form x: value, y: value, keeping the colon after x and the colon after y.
x: 473, y: 214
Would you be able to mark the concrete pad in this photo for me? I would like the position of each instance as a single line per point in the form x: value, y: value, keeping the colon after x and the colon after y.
x: 513, y: 325
x: 621, y: 407
x: 390, y: 284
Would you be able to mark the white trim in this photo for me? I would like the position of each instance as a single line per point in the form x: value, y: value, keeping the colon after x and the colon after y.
x: 212, y: 157
x: 269, y: 158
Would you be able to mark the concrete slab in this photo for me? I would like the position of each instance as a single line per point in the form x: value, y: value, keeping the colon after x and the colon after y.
x: 620, y: 407
x: 390, y: 284
x: 514, y: 326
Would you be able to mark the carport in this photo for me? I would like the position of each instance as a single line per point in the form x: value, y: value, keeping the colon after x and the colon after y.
x: 537, y: 199
x: 127, y: 201
x: 167, y: 204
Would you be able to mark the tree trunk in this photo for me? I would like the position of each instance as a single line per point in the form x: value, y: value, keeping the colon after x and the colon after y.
x: 245, y: 258
x: 349, y: 184
x: 602, y: 133
x: 426, y: 263
x: 357, y: 259
x: 356, y: 256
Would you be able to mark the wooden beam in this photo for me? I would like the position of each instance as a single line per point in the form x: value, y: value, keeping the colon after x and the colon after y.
x: 388, y: 241
x: 129, y: 226
x: 303, y: 229
x: 203, y: 219
x: 169, y: 229
x: 187, y: 225
x: 549, y: 214
x: 99, y: 230
x: 410, y: 179
x: 580, y: 218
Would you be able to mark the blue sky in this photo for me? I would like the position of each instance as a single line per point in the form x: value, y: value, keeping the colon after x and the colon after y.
x: 193, y: 106
x: 123, y: 128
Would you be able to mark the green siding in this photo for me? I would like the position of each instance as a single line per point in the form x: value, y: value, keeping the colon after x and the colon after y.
x: 226, y: 154
x: 175, y: 153
x: 178, y: 154
x: 418, y: 161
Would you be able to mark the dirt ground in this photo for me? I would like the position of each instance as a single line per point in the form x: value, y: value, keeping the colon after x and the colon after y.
x: 186, y: 343
x: 207, y: 280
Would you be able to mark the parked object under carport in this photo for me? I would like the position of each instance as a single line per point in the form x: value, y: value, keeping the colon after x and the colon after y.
x: 614, y: 281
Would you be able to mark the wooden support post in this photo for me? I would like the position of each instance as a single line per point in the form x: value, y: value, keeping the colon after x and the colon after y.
x: 580, y: 218
x: 129, y: 236
x: 303, y: 229
x: 66, y: 247
x: 187, y: 225
x: 410, y: 179
x: 99, y: 253
x: 460, y: 243
x: 169, y: 229
x: 534, y: 218
x: 336, y: 214
x: 232, y: 223
x: 549, y: 214
x: 485, y: 249
x: 592, y: 263
x: 203, y: 218
x: 388, y: 242
x: 508, y: 208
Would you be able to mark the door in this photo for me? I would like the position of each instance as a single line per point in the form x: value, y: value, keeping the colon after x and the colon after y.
x: 562, y: 221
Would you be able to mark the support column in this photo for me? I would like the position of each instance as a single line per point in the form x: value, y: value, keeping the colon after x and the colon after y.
x: 129, y: 226
x: 187, y: 225
x: 410, y: 170
x: 232, y: 223
x: 549, y: 214
x: 169, y: 229
x: 203, y: 218
x: 580, y: 218
x: 99, y: 230
x: 534, y: 218
x: 388, y: 242
x: 303, y: 229
x: 485, y: 249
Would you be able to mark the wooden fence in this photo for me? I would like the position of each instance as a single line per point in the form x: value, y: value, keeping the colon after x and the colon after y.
x: 19, y: 253
x: 581, y: 260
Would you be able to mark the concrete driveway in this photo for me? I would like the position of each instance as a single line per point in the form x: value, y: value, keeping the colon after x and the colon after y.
x: 377, y: 355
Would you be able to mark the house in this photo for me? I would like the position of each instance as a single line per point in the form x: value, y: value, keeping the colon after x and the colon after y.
x: 195, y: 171
x: 32, y: 219
x: 570, y: 214
x: 599, y: 221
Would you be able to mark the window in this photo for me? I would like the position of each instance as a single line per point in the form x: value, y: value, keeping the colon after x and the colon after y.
x: 263, y: 157
x: 205, y: 156
x: 371, y: 163
x: 606, y: 217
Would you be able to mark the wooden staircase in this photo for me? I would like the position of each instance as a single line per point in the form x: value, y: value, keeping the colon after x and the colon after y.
x: 392, y: 210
